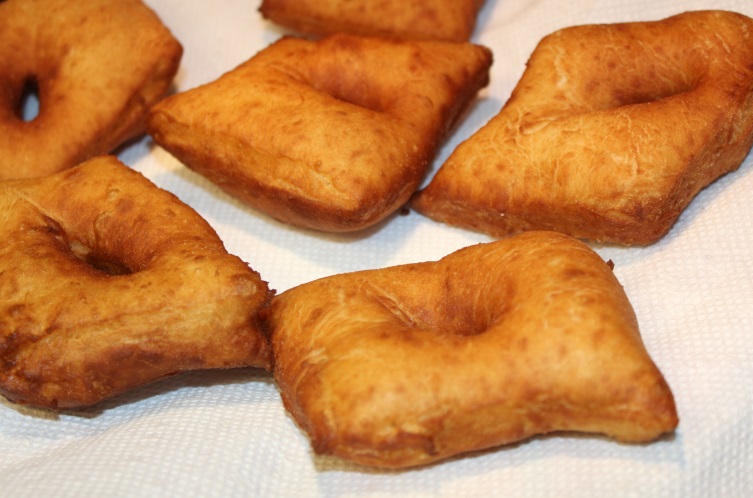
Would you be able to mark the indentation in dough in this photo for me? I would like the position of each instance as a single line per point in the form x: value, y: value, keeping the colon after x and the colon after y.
x: 635, y: 93
x: 354, y: 87
x: 101, y: 263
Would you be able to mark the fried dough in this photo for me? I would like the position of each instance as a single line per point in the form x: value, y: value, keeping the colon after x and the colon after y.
x: 493, y: 344
x: 610, y: 133
x: 333, y: 135
x: 448, y: 20
x: 96, y: 66
x: 108, y: 282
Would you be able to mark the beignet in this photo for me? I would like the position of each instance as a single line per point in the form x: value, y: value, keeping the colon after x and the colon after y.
x: 95, y: 67
x: 609, y: 134
x: 108, y: 282
x: 448, y: 20
x: 333, y: 135
x: 493, y: 344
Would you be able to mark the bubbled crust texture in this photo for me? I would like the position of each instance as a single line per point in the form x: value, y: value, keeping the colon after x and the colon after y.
x: 609, y: 134
x: 70, y: 334
x: 449, y: 20
x: 99, y: 66
x: 332, y: 135
x: 493, y: 344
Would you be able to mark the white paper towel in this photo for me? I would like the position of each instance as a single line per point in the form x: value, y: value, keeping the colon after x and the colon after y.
x: 227, y: 434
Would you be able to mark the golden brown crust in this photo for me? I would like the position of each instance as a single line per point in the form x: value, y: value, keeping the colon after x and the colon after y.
x: 609, y: 134
x: 493, y: 344
x: 98, y: 64
x: 333, y: 135
x: 448, y: 20
x: 107, y: 282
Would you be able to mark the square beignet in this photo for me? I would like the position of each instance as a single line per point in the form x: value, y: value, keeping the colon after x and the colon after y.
x: 334, y: 134
x: 609, y: 134
x: 95, y: 67
x: 448, y: 20
x: 493, y: 344
x: 109, y: 282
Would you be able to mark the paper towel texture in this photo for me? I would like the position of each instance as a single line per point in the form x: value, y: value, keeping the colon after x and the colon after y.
x: 227, y: 434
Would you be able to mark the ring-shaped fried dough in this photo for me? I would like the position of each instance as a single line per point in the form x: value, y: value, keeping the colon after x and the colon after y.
x: 448, y: 20
x: 108, y: 282
x: 334, y: 134
x: 610, y: 132
x: 95, y: 66
x: 495, y: 343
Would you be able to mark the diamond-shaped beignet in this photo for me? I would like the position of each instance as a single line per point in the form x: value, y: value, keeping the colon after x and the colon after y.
x: 493, y: 344
x: 108, y: 282
x: 449, y: 20
x: 609, y: 134
x: 333, y: 135
x: 96, y: 67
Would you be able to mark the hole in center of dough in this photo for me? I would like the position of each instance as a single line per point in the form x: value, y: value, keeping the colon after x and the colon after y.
x: 99, y: 263
x: 28, y: 104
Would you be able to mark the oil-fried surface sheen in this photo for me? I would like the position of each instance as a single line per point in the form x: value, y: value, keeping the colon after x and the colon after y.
x: 108, y: 282
x: 493, y: 344
x: 610, y: 132
x: 96, y: 67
